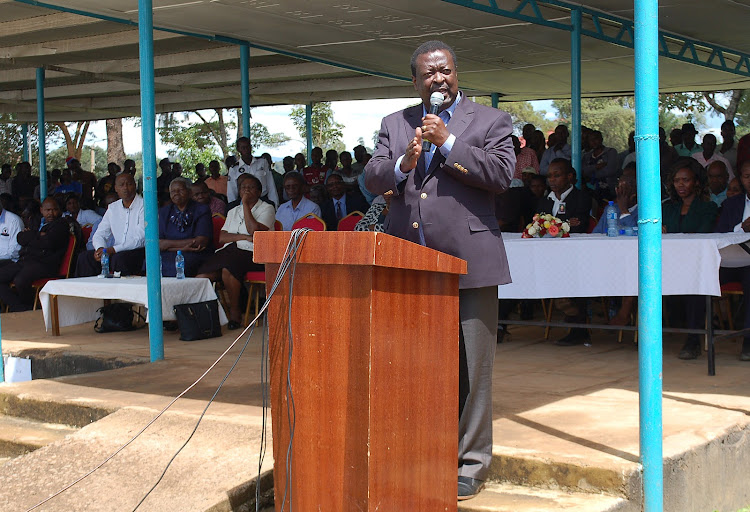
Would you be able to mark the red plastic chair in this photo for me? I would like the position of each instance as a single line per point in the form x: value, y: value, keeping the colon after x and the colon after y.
x: 66, y: 266
x: 86, y: 233
x: 218, y: 222
x: 347, y: 223
x: 592, y: 224
x: 278, y: 226
x: 311, y: 221
x: 256, y: 283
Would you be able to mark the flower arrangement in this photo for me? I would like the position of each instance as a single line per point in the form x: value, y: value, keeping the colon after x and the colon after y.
x: 545, y: 224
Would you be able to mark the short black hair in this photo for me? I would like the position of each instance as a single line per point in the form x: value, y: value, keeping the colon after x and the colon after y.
x: 429, y: 47
x: 243, y: 139
x: 296, y: 176
x: 567, y: 165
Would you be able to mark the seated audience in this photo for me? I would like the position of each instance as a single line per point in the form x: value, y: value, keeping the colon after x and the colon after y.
x: 10, y: 226
x: 6, y: 182
x: 107, y: 183
x: 538, y: 186
x: 318, y: 195
x: 347, y: 172
x: 689, y: 210
x: 84, y: 217
x: 688, y: 146
x: 40, y: 256
x: 200, y: 172
x: 558, y: 148
x: 298, y: 205
x: 258, y: 167
x: 599, y: 166
x: 231, y: 262
x: 709, y: 154
x: 374, y: 219
x: 718, y: 181
x: 67, y: 185
x: 216, y: 181
x: 565, y: 201
x: 525, y: 158
x: 626, y: 202
x: 340, y: 203
x: 87, y: 180
x: 124, y: 221
x: 734, y: 188
x: 735, y: 217
x: 184, y: 225
x: 202, y: 195
x: 316, y: 172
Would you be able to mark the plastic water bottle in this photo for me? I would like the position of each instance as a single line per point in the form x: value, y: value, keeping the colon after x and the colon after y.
x: 179, y: 265
x: 105, y: 263
x: 611, y: 213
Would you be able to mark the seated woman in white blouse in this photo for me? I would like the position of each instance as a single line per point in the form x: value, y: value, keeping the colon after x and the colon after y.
x: 234, y: 259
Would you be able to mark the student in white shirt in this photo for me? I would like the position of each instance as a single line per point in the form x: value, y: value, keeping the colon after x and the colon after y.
x: 10, y: 225
x: 258, y: 167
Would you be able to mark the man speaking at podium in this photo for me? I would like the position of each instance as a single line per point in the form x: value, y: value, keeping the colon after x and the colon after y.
x: 444, y: 164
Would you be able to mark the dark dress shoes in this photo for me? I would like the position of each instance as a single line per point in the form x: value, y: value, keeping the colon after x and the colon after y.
x: 574, y: 337
x: 232, y: 325
x: 745, y: 354
x: 468, y: 487
x: 690, y: 351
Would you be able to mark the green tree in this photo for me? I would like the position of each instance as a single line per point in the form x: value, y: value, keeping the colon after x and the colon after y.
x: 521, y: 113
x: 56, y: 159
x: 11, y: 140
x: 260, y: 136
x: 614, y: 117
x: 327, y: 133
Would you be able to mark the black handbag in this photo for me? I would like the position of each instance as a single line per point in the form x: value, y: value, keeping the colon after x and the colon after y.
x: 199, y: 320
x: 116, y: 317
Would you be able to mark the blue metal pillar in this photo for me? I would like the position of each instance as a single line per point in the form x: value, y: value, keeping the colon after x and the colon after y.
x: 41, y: 133
x: 649, y: 251
x: 25, y: 136
x: 575, y: 94
x: 245, y: 81
x: 148, y: 135
x: 495, y: 99
x: 308, y: 129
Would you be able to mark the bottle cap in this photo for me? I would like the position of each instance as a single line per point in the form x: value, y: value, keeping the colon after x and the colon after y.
x: 179, y: 253
x: 611, y: 203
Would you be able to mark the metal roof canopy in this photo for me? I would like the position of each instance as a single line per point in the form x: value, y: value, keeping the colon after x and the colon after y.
x: 306, y: 51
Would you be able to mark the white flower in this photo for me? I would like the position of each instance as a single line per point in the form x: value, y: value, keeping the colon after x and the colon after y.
x: 565, y: 227
x: 532, y: 230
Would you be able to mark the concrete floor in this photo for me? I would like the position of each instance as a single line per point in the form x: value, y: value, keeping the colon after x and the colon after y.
x: 574, y: 406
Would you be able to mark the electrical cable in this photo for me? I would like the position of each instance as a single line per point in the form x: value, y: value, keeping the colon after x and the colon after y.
x: 290, y: 256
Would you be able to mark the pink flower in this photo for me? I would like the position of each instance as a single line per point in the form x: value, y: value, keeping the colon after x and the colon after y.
x: 553, y: 230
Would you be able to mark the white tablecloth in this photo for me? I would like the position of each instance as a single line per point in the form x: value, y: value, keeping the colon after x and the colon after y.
x: 79, y: 298
x: 596, y: 265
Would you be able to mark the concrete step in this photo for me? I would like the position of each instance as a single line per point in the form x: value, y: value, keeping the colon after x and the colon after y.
x: 63, y: 412
x: 498, y: 497
x: 19, y: 435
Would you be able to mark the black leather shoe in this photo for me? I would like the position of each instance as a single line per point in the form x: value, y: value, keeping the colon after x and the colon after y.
x: 745, y: 354
x: 574, y: 338
x: 690, y: 351
x: 232, y: 325
x: 469, y: 487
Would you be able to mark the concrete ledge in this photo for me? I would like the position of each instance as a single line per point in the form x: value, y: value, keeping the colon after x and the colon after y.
x: 63, y: 413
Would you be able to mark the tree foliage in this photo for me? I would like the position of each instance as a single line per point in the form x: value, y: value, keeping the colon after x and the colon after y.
x: 260, y: 136
x: 614, y: 117
x: 56, y: 159
x: 521, y: 113
x: 326, y: 132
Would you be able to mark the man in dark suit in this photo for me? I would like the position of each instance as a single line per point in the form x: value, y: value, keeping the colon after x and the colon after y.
x: 570, y: 204
x: 565, y: 201
x: 340, y: 204
x: 444, y: 199
x: 42, y: 251
x: 735, y: 216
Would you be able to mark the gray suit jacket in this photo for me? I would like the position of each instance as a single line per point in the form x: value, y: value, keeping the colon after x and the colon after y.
x: 453, y: 200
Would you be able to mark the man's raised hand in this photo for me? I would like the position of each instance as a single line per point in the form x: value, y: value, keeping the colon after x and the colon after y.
x: 413, y: 150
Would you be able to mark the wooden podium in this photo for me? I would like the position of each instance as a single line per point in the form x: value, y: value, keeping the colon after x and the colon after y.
x: 373, y: 371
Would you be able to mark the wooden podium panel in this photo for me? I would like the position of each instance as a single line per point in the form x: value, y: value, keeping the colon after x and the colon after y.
x: 373, y: 371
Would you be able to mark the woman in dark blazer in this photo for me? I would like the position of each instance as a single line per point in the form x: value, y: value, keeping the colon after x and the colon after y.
x: 689, y: 210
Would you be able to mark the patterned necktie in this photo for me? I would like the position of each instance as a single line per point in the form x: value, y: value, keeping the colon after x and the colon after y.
x: 339, y: 213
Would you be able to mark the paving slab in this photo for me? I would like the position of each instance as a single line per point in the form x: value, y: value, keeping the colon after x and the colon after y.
x: 513, y: 498
x: 565, y: 418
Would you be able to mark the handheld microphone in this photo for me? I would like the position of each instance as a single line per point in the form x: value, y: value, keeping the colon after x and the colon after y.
x: 436, y: 99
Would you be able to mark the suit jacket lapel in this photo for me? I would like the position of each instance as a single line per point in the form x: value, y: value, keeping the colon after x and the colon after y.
x: 458, y: 123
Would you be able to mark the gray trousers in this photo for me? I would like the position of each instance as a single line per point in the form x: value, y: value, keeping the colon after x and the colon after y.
x: 478, y: 340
